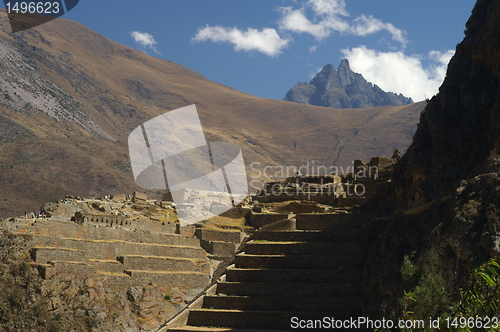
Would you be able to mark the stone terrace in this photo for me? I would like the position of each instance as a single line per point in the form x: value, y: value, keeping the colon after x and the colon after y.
x: 121, y: 252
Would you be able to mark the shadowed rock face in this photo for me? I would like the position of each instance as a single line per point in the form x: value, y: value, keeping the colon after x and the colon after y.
x: 458, y: 136
x: 453, y: 162
x: 343, y: 89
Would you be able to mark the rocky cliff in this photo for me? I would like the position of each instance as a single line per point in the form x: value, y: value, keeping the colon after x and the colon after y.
x: 446, y: 200
x: 343, y: 89
x: 458, y: 135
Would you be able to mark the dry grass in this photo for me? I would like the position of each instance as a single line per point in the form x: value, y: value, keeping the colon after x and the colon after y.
x: 224, y: 223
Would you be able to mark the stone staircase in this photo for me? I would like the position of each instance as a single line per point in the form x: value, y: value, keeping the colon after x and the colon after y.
x: 311, y: 272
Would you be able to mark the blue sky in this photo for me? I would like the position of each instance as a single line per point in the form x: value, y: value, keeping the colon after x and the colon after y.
x: 265, y: 47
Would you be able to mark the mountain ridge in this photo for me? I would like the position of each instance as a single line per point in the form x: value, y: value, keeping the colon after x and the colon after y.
x: 343, y: 89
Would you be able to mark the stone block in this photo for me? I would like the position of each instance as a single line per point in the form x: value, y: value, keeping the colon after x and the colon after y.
x: 119, y: 197
x: 137, y: 196
x: 219, y: 248
x: 215, y: 235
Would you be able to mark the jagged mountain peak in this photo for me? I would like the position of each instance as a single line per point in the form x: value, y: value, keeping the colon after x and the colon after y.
x: 343, y: 88
x: 346, y: 75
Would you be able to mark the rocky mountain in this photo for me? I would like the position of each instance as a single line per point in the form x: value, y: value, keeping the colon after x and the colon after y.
x: 343, y: 89
x: 69, y: 99
x: 442, y: 220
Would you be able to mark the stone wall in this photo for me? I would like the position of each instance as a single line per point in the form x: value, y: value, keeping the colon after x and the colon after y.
x: 219, y: 248
x: 236, y: 212
x: 55, y: 228
x: 46, y: 254
x: 320, y: 179
x: 158, y: 263
x: 215, y: 235
x: 82, y: 269
x: 110, y: 249
x: 190, y: 281
x: 124, y: 223
x: 321, y: 198
x: 380, y: 162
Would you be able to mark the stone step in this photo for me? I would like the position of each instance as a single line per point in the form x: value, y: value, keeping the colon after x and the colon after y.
x: 298, y: 248
x: 46, y: 254
x: 290, y: 276
x: 262, y: 303
x: 309, y: 236
x: 311, y: 262
x: 161, y: 263
x: 107, y: 265
x: 330, y: 221
x: 291, y: 289
x: 274, y: 320
x: 110, y: 249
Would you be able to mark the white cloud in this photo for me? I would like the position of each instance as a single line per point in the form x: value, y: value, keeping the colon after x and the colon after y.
x: 329, y: 7
x: 400, y: 73
x: 295, y: 20
x: 329, y: 16
x: 312, y: 49
x: 367, y: 25
x: 267, y: 40
x: 144, y: 39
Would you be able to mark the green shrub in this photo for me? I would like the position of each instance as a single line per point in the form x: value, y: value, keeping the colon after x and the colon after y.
x: 426, y: 295
x: 56, y: 326
x: 482, y: 297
